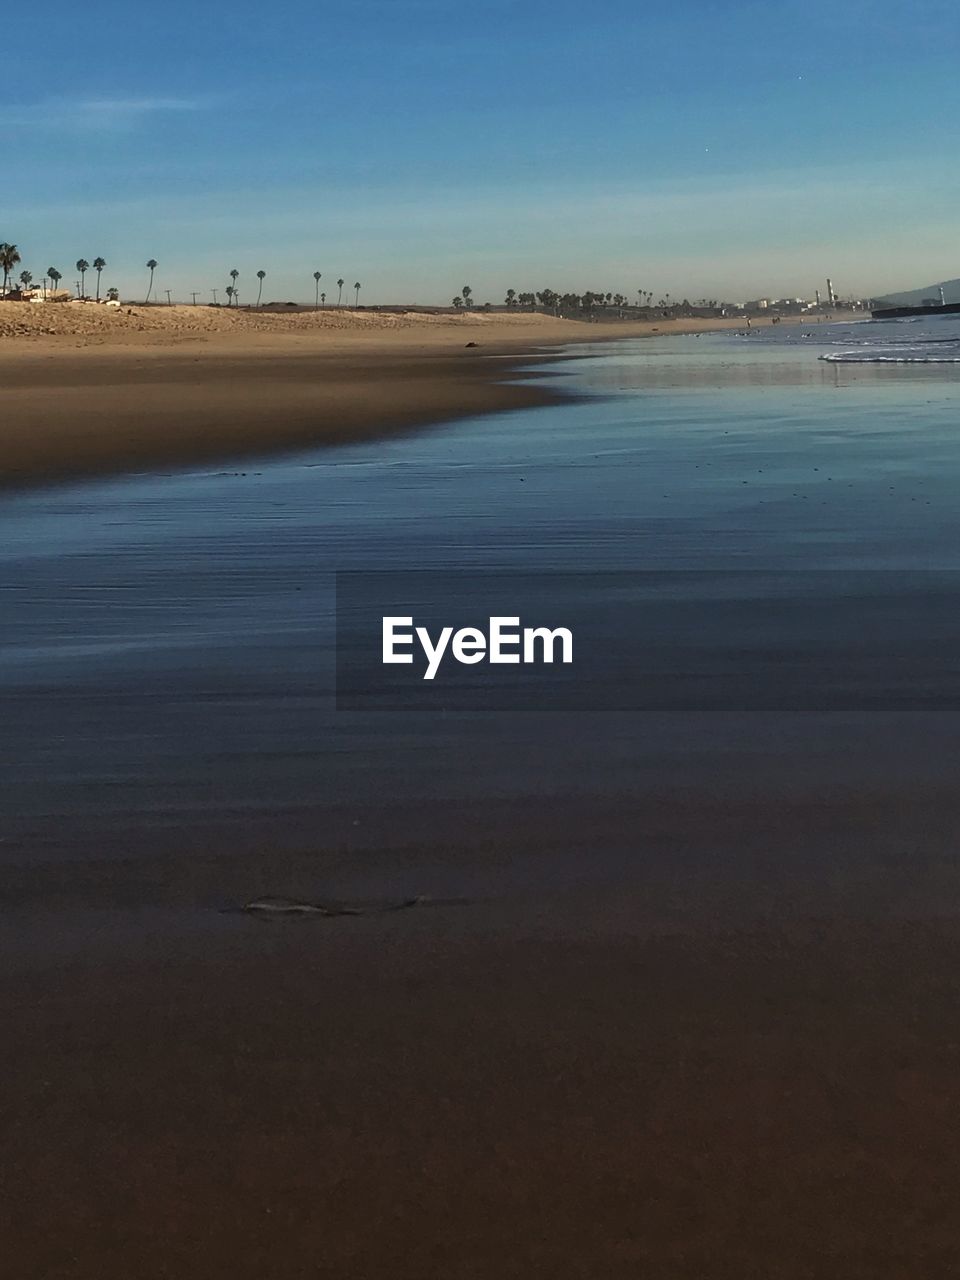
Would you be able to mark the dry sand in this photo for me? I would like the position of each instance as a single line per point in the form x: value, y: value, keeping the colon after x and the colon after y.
x: 83, y: 325
x: 90, y: 389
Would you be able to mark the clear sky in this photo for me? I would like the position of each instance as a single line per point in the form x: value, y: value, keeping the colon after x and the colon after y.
x: 705, y: 148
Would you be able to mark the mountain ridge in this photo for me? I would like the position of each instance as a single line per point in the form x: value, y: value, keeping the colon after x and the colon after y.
x: 915, y: 297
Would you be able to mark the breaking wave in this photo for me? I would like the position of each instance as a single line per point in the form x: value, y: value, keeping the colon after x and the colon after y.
x: 862, y: 357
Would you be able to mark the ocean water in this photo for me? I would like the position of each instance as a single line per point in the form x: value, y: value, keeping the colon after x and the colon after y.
x: 911, y: 340
x: 754, y: 538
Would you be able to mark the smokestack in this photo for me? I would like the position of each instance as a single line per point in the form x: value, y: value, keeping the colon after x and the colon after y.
x: 830, y: 294
x: 818, y: 297
x: 943, y: 301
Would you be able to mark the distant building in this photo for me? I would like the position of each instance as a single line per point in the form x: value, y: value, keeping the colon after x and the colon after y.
x: 791, y: 305
x: 758, y: 304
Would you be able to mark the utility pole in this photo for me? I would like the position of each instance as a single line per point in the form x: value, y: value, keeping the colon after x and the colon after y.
x: 167, y: 292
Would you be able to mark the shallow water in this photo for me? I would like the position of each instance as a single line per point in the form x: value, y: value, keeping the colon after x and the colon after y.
x: 167, y: 663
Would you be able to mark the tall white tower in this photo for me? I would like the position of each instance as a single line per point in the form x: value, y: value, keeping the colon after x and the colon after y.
x: 831, y: 296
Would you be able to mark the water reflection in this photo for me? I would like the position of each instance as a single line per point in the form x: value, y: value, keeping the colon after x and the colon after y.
x: 167, y: 648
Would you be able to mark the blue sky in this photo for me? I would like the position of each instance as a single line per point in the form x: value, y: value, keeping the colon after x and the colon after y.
x: 702, y: 148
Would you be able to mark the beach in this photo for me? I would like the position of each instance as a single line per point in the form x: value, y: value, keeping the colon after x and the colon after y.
x: 699, y: 1073
x: 89, y: 390
x: 530, y: 1089
x: 661, y: 981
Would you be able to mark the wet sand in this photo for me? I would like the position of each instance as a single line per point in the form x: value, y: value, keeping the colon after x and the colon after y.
x: 98, y: 400
x: 740, y: 1061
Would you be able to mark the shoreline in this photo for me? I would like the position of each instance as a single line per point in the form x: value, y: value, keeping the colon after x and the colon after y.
x: 105, y: 402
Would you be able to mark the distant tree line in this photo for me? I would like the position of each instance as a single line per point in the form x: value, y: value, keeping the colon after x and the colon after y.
x: 10, y: 259
x: 587, y: 303
x: 590, y: 302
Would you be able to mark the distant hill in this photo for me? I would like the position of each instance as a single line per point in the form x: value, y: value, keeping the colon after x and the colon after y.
x: 951, y: 293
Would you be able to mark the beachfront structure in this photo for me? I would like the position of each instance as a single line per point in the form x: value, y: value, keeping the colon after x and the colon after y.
x: 37, y: 294
x: 792, y: 306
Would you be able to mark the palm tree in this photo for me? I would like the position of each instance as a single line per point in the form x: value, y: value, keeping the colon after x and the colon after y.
x: 458, y: 302
x: 25, y: 279
x: 261, y: 275
x: 466, y: 291
x: 323, y: 299
x: 316, y: 279
x: 113, y: 294
x: 8, y: 260
x: 230, y: 292
x: 98, y: 265
x: 55, y: 277
x: 511, y: 298
x: 152, y: 264
x: 83, y: 266
x: 340, y: 287
x: 357, y: 287
x: 234, y: 276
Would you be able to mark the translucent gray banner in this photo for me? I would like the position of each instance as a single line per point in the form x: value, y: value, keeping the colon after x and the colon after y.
x: 649, y: 641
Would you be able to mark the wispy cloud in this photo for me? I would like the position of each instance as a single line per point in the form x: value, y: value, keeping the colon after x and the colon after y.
x: 139, y: 106
x: 95, y: 114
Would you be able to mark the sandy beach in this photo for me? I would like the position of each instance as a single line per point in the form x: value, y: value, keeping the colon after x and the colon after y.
x: 682, y: 1000
x: 708, y: 1072
x: 479, y: 686
x: 88, y: 390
